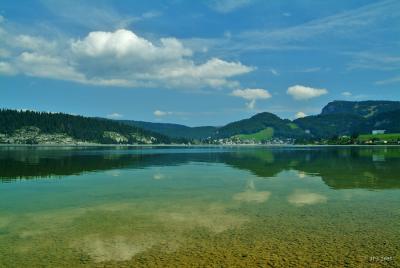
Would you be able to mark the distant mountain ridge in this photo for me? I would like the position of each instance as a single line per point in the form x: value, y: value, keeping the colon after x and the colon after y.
x: 338, y: 118
x: 329, y: 125
x: 283, y: 128
x: 350, y: 118
x: 174, y: 130
x: 361, y: 108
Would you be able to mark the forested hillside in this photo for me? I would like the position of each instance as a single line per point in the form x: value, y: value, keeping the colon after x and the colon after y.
x: 329, y: 125
x: 283, y: 128
x: 389, y: 121
x: 175, y: 130
x: 79, y: 128
x: 361, y: 108
x: 338, y: 118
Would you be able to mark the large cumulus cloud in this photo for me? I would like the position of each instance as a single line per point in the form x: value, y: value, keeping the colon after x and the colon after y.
x: 119, y: 58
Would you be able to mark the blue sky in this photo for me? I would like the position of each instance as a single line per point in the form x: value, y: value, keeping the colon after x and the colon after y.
x: 196, y: 62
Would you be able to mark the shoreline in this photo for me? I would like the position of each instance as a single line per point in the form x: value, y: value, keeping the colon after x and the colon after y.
x: 196, y: 145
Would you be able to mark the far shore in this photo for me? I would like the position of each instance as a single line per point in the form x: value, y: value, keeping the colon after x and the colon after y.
x: 195, y: 145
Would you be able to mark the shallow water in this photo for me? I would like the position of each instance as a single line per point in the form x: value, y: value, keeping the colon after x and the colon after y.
x: 174, y: 207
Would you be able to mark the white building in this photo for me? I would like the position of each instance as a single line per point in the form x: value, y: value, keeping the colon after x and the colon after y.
x: 378, y: 131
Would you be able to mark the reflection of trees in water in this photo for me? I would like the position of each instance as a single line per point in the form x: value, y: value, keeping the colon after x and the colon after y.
x: 58, y: 165
x: 339, y: 168
x: 350, y: 167
x: 356, y: 167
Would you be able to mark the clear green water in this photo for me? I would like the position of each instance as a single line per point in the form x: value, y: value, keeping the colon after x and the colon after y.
x: 171, y: 207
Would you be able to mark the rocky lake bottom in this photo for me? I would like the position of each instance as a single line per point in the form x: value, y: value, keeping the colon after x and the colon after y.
x: 197, y: 207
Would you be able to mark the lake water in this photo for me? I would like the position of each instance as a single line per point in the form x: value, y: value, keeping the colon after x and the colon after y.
x: 221, y: 207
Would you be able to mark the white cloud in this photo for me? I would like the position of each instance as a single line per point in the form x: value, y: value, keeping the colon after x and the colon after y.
x: 151, y: 14
x: 299, y: 92
x: 226, y: 6
x: 32, y: 43
x: 346, y: 94
x: 160, y: 113
x: 7, y: 69
x: 114, y: 116
x: 373, y: 61
x: 4, y: 53
x: 124, y: 43
x: 300, y: 115
x: 395, y: 79
x: 124, y: 55
x: 119, y: 58
x: 46, y: 66
x: 310, y: 70
x: 343, y: 23
x: 251, y: 94
x: 353, y: 24
x: 251, y: 104
x: 274, y: 72
x: 213, y: 73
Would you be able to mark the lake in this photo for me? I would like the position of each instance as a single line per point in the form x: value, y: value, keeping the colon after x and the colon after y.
x: 221, y: 207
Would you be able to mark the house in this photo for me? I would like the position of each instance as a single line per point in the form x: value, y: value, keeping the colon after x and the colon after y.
x: 378, y: 131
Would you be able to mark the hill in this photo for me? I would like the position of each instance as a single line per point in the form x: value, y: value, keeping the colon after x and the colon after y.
x: 174, y: 130
x: 338, y: 118
x: 40, y: 127
x: 389, y: 121
x: 282, y: 128
x: 364, y: 109
x: 259, y: 136
x: 262, y: 126
x: 329, y: 125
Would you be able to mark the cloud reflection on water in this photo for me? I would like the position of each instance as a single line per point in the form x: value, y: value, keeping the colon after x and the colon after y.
x: 302, y: 198
x: 252, y: 195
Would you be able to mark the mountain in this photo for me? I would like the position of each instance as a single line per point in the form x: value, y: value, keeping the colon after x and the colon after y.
x: 282, y: 128
x: 365, y: 109
x: 349, y: 118
x: 49, y: 128
x: 329, y: 125
x: 389, y: 121
x: 263, y: 125
x: 336, y: 119
x: 174, y: 130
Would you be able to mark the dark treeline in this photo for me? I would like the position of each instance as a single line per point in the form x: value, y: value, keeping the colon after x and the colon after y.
x: 78, y: 127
